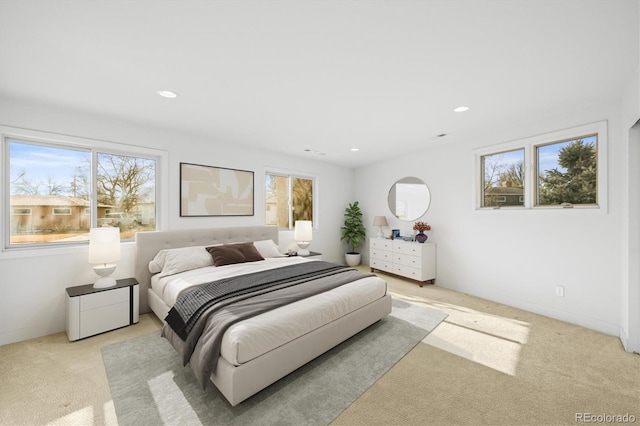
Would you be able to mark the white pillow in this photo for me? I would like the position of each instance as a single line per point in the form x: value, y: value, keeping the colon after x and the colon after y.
x: 154, y: 266
x: 173, y: 261
x: 267, y: 248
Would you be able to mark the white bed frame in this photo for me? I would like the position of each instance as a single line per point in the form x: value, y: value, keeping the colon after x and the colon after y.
x: 238, y: 383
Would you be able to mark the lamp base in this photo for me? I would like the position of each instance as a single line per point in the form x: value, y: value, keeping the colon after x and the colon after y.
x: 104, y: 282
x: 302, y: 248
x: 380, y: 233
x: 104, y: 271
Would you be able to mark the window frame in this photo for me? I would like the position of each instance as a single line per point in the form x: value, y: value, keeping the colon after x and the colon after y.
x: 293, y: 174
x: 56, y: 211
x: 93, y: 146
x: 530, y: 145
x: 536, y: 158
x: 26, y: 211
x: 482, y: 159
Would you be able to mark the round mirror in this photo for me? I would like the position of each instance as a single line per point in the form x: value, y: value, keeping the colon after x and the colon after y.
x: 409, y: 198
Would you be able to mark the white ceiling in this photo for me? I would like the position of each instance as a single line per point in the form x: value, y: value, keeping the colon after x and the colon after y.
x: 382, y: 76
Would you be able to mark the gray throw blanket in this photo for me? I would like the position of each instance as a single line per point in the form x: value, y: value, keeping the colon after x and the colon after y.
x: 201, y: 348
x: 191, y: 305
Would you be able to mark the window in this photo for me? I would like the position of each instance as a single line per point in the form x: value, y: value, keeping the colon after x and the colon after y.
x: 126, y: 188
x: 567, y: 172
x: 287, y: 199
x: 503, y: 179
x: 563, y: 169
x: 49, y: 191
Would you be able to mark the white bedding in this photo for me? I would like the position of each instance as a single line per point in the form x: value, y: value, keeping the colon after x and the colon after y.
x: 170, y: 287
x: 253, y: 337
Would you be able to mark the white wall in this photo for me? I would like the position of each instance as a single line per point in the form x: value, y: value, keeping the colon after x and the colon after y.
x: 516, y: 257
x: 630, y: 238
x: 32, y: 285
x: 630, y: 326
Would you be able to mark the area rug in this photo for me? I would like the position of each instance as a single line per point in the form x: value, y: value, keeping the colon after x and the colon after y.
x: 149, y: 385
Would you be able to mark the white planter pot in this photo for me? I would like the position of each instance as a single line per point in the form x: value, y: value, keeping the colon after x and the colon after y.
x: 353, y: 259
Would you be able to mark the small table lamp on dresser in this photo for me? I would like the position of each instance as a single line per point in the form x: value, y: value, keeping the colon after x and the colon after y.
x: 380, y: 221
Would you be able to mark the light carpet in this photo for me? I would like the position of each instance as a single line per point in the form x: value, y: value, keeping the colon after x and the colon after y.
x: 149, y: 386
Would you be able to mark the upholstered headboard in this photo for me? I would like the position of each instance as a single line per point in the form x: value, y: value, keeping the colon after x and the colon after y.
x: 148, y: 244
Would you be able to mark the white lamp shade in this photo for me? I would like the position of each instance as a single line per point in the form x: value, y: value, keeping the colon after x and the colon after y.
x: 104, y: 245
x: 380, y: 221
x: 303, y: 230
x: 303, y: 235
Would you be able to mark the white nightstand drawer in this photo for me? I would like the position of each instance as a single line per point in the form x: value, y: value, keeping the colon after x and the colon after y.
x: 105, y: 318
x: 104, y: 298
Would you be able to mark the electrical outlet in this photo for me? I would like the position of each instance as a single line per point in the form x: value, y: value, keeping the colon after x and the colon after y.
x: 559, y: 291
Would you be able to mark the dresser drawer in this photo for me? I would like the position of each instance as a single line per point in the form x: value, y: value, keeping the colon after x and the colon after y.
x: 407, y: 248
x: 382, y: 265
x: 407, y: 271
x: 381, y: 244
x: 380, y: 254
x: 407, y: 260
x: 104, y: 298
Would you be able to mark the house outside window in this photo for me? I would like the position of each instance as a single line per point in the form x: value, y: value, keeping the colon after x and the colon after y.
x: 288, y: 198
x: 503, y: 179
x: 48, y: 191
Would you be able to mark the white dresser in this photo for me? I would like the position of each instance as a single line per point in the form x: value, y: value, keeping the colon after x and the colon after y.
x: 405, y: 258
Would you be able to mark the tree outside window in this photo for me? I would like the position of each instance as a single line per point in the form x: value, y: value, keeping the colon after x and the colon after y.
x: 127, y: 184
x: 288, y: 199
x: 564, y: 169
x: 568, y: 172
x: 50, y: 187
x: 503, y: 179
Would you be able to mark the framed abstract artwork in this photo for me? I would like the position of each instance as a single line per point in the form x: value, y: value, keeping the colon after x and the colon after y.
x: 215, y: 191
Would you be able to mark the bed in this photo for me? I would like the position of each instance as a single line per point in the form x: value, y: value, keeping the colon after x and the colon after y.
x: 257, y: 351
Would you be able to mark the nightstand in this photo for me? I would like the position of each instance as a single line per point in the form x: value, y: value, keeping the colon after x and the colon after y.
x: 314, y: 255
x: 92, y: 311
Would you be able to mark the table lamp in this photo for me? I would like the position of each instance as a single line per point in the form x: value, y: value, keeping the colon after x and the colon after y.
x: 104, y: 247
x: 303, y: 235
x: 380, y: 221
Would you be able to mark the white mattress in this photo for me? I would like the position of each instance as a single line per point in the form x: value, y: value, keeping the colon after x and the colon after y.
x: 255, y: 336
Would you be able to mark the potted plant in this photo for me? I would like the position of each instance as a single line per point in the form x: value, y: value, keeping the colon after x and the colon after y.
x: 353, y: 232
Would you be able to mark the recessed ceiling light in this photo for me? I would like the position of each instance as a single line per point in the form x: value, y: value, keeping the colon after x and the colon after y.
x: 355, y: 149
x: 167, y: 94
x: 461, y: 108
